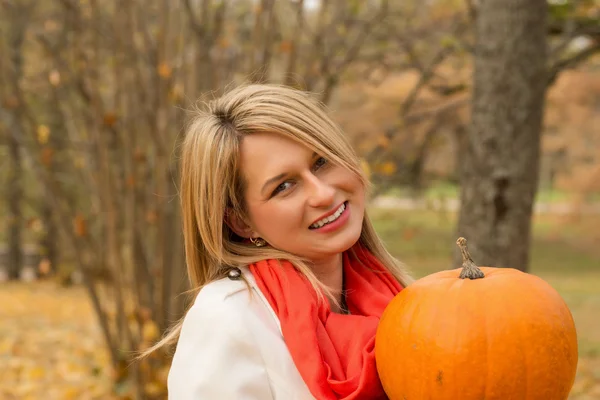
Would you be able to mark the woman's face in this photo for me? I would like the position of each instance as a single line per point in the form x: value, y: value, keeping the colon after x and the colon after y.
x: 297, y: 200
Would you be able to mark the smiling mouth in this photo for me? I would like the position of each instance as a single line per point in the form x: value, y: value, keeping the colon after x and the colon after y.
x: 327, y: 220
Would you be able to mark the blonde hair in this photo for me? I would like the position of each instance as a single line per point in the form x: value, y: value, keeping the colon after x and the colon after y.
x: 212, y: 184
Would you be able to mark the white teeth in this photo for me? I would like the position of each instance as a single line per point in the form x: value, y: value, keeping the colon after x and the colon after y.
x: 331, y: 218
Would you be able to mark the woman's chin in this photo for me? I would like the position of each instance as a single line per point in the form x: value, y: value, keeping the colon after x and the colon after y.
x: 341, y: 243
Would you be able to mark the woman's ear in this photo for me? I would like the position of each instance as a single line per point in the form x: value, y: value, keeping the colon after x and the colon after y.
x: 237, y: 224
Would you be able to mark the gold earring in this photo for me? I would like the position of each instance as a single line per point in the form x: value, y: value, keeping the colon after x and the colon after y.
x: 258, y: 242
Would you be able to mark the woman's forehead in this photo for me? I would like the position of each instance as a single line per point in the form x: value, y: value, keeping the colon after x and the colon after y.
x: 265, y: 155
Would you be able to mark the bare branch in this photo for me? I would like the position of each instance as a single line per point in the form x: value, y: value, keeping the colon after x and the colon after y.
x: 296, y: 38
x: 317, y: 44
x: 196, y: 25
x: 571, y: 27
x: 472, y: 9
x: 428, y: 71
x: 572, y: 61
x: 363, y: 34
x: 434, y: 112
x: 332, y: 72
x: 426, y: 75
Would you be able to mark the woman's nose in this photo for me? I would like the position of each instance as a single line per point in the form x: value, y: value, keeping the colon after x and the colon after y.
x: 320, y: 194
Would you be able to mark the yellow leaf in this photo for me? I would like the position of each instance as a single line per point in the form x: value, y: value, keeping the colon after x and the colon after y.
x: 163, y: 373
x: 110, y: 119
x: 43, y: 133
x: 36, y: 225
x: 151, y: 216
x: 383, y: 141
x: 448, y: 41
x: 11, y: 102
x: 46, y: 156
x: 54, y: 77
x: 164, y: 71
x: 285, y: 46
x: 365, y: 146
x: 80, y: 226
x: 224, y: 43
x: 130, y: 181
x: 44, y: 267
x: 79, y: 162
x: 36, y: 373
x: 365, y: 167
x: 145, y: 313
x: 153, y: 388
x: 150, y: 331
x: 387, y: 168
x: 176, y: 93
x: 71, y: 393
x: 50, y: 25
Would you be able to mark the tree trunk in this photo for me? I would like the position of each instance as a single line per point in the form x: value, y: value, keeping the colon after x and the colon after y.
x: 15, y: 39
x: 49, y: 242
x: 499, y: 156
x: 57, y: 141
x: 15, y: 219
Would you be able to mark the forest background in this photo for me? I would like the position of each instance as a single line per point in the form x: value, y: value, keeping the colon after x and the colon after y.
x: 94, y: 97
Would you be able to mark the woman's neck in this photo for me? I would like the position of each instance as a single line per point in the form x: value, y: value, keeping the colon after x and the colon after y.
x: 330, y: 272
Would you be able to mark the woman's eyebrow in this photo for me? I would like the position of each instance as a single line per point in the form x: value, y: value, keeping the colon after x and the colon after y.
x: 278, y: 177
x: 270, y: 181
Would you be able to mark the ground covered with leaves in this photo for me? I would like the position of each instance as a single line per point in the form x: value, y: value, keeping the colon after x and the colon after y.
x: 50, y: 344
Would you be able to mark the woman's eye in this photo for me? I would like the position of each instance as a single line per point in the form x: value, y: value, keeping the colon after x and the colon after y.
x: 320, y: 162
x: 283, y: 186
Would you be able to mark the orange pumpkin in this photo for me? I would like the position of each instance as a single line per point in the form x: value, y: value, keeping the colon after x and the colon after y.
x: 477, y: 333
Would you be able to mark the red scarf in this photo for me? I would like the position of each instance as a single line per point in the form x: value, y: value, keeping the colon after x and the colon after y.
x: 334, y: 353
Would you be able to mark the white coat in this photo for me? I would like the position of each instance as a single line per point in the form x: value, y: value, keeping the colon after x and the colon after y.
x: 231, y: 348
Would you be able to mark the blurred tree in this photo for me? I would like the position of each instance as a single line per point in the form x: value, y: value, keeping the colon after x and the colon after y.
x: 426, y: 44
x: 429, y: 44
x: 12, y: 108
x: 499, y: 154
x: 96, y: 112
x: 517, y: 56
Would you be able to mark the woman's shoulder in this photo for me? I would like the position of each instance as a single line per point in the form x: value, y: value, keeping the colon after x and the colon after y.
x: 221, y: 290
x: 222, y: 297
x: 217, y: 318
x: 236, y: 299
x: 217, y: 342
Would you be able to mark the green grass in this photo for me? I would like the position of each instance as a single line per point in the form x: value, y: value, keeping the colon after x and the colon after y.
x: 425, y: 241
x: 447, y: 190
x: 565, y: 252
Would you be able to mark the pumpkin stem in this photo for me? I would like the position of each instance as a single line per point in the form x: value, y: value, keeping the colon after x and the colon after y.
x: 469, y: 270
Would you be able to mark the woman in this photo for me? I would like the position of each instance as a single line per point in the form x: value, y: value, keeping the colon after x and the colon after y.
x: 291, y: 277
